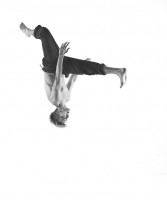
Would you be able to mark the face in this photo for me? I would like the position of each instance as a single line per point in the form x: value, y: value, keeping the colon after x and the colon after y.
x: 64, y: 114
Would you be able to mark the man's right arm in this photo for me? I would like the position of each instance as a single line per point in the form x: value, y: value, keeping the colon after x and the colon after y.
x: 71, y: 81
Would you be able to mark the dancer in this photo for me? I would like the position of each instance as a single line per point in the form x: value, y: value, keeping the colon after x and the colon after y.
x: 57, y: 66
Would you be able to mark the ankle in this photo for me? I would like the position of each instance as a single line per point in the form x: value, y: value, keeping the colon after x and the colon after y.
x: 31, y: 32
x: 111, y: 70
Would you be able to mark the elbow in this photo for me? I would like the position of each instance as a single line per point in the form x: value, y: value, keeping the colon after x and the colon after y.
x: 58, y: 84
x: 54, y: 96
x: 53, y: 100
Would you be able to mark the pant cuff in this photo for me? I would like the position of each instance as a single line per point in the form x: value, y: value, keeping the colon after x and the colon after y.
x: 37, y: 31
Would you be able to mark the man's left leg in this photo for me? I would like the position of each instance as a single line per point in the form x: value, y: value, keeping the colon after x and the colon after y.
x: 78, y: 66
x: 120, y: 72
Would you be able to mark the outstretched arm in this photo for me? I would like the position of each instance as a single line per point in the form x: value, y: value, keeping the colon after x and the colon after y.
x: 59, y: 67
x: 57, y: 82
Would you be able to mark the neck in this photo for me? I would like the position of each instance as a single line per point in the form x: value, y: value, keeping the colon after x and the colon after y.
x: 62, y: 104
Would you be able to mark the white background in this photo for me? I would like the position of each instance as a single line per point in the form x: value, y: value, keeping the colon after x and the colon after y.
x: 114, y: 146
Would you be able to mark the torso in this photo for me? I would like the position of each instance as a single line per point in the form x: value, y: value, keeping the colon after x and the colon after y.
x: 64, y: 94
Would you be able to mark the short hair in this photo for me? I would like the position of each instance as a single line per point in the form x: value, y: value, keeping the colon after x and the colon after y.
x: 54, y: 119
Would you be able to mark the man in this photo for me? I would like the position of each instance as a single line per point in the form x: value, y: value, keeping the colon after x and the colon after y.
x: 56, y: 67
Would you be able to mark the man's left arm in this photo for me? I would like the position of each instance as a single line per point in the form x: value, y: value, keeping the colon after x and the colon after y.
x: 59, y: 68
x: 63, y: 50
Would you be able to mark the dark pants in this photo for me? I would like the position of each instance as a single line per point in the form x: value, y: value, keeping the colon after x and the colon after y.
x: 70, y: 65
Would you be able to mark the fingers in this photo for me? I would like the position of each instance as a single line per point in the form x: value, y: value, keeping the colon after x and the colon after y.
x: 88, y: 59
x: 67, y: 50
x: 65, y: 44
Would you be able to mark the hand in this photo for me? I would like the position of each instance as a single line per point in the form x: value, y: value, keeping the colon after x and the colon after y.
x: 63, y: 49
x: 88, y: 59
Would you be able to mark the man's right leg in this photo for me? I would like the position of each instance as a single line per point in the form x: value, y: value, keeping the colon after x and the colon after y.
x: 50, y: 47
x: 27, y: 31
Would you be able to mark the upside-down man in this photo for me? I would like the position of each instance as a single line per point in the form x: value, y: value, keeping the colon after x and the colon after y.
x: 57, y: 66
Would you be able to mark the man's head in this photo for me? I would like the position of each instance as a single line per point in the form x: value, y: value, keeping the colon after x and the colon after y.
x: 60, y: 116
